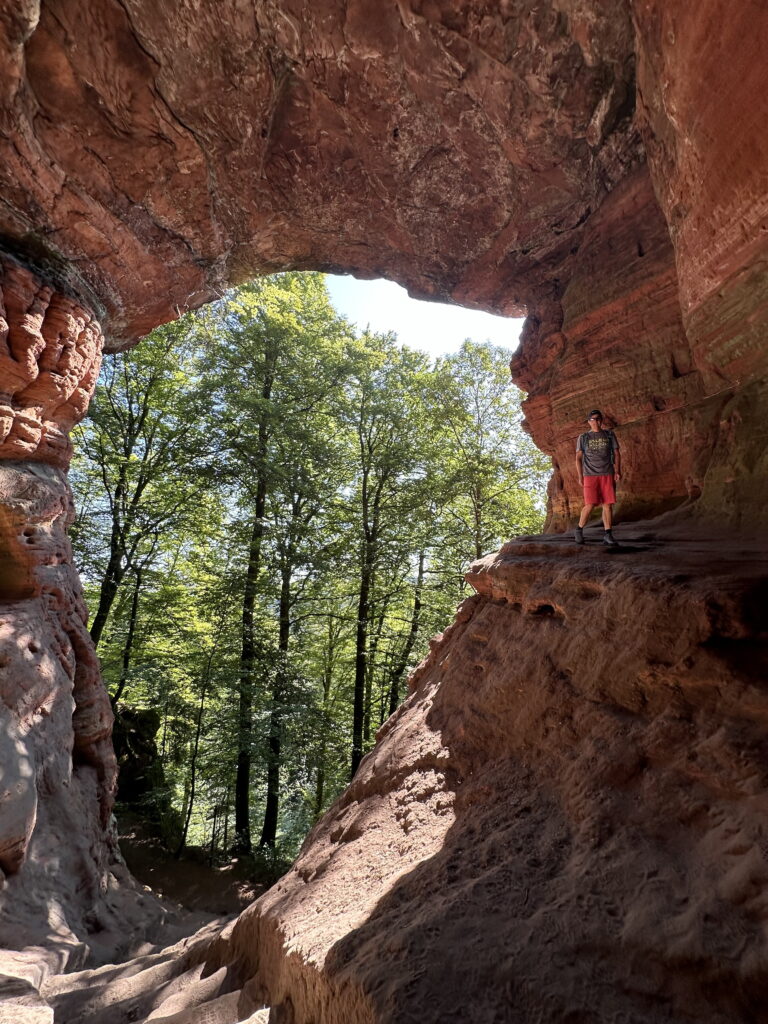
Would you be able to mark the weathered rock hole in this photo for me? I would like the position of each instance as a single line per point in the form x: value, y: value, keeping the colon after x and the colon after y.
x: 33, y: 647
x: 543, y: 610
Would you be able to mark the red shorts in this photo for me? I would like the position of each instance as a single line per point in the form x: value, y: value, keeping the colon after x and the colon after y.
x: 599, y: 490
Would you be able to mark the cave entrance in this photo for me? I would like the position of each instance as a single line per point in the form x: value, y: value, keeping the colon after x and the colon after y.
x: 278, y: 497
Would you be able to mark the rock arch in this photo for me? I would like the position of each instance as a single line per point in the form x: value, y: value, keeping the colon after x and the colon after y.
x: 601, y: 166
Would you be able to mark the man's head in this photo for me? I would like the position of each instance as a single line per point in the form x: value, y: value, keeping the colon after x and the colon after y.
x: 595, y: 419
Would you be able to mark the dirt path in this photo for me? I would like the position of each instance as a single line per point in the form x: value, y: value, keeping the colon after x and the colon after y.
x: 189, y: 881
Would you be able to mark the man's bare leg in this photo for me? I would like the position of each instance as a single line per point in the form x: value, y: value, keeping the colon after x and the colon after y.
x: 607, y: 523
x: 586, y: 512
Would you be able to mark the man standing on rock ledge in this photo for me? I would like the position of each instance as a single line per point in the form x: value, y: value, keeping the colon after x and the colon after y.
x: 598, y: 462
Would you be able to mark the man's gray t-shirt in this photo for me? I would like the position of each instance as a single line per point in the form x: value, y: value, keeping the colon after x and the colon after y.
x: 598, y: 447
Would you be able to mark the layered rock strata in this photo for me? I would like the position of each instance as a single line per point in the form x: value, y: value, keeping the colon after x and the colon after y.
x: 57, y: 766
x: 564, y: 821
x: 445, y: 145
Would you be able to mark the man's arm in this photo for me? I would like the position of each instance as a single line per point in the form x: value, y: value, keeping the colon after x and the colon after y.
x: 617, y: 463
x: 580, y: 465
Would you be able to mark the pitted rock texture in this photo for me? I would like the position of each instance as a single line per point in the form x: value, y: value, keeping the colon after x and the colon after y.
x: 58, y: 766
x: 58, y: 856
x: 565, y: 820
x: 50, y: 354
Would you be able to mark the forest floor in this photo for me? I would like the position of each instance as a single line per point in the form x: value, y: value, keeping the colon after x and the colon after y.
x: 190, y: 880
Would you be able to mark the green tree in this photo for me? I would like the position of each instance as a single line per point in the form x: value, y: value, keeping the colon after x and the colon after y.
x: 136, y: 468
x: 385, y: 410
x: 493, y: 475
x: 276, y: 353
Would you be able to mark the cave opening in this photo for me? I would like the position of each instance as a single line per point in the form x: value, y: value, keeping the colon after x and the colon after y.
x: 217, y: 460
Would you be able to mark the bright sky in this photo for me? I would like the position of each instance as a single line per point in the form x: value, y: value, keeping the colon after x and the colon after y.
x: 433, y: 327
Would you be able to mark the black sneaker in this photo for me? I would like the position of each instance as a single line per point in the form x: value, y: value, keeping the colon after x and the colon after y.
x: 608, y: 539
x: 578, y: 535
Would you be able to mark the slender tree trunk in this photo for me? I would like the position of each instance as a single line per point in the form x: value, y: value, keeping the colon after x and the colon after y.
x: 193, y: 767
x: 128, y: 649
x: 327, y: 678
x: 115, y: 569
x: 477, y: 510
x: 399, y: 669
x: 361, y: 655
x: 372, y: 648
x: 272, y: 808
x: 242, y: 839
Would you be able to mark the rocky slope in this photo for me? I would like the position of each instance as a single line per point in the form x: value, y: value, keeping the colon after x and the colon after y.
x: 573, y: 795
x: 565, y: 821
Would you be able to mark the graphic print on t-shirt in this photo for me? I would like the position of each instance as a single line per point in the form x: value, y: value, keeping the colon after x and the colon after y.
x: 597, y: 447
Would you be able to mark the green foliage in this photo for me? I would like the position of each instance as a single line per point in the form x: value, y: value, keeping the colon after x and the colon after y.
x: 275, y: 515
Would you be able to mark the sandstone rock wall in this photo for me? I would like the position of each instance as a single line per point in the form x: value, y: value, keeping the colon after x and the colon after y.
x: 615, y: 339
x: 57, y: 767
x: 495, y: 158
x: 565, y: 820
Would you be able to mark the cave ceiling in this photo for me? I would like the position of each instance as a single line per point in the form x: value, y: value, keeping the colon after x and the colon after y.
x: 153, y: 154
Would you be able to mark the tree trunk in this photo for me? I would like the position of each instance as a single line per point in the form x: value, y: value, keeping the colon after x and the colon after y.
x: 477, y: 509
x: 193, y: 767
x: 114, y: 572
x: 128, y: 649
x: 399, y: 669
x: 361, y: 655
x: 327, y: 678
x: 271, y: 810
x: 242, y: 838
x: 372, y: 648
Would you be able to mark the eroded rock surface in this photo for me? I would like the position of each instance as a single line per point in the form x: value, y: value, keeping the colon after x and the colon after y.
x: 490, y: 156
x: 65, y: 893
x: 165, y: 151
x: 565, y: 820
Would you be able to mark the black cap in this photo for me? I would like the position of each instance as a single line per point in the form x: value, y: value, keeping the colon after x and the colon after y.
x: 594, y: 412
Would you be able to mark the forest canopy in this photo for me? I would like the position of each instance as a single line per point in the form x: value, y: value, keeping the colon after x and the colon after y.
x: 275, y: 512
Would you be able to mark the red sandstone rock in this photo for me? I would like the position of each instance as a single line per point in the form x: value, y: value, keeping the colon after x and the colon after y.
x: 50, y: 353
x: 565, y: 820
x: 57, y: 767
x: 489, y: 157
x: 166, y: 151
x: 616, y: 340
